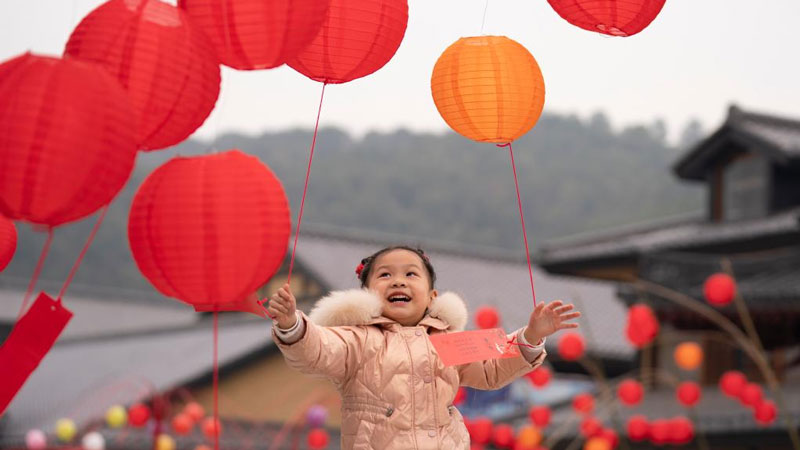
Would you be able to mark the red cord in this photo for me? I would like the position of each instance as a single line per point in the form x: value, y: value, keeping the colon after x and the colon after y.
x: 83, y: 251
x: 216, y: 383
x: 36, y: 273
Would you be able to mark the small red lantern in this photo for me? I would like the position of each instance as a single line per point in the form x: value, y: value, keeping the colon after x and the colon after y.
x: 487, y: 317
x: 194, y: 411
x: 751, y: 395
x: 732, y: 382
x: 165, y: 63
x: 8, y: 241
x: 719, y: 289
x: 539, y: 376
x: 211, y: 428
x: 357, y: 38
x: 461, y: 395
x: 138, y: 415
x: 590, y: 427
x: 681, y: 431
x: 481, y: 430
x: 540, y: 416
x: 583, y: 403
x: 661, y: 431
x: 67, y: 140
x: 611, y: 17
x: 209, y: 230
x: 630, y: 392
x: 318, y: 439
x: 182, y: 424
x: 688, y: 393
x: 611, y: 436
x: 253, y: 34
x: 765, y: 412
x: 638, y: 428
x: 503, y: 436
x: 571, y: 346
x: 642, y: 326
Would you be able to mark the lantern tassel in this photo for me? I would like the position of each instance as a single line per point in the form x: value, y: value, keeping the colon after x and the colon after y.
x: 36, y: 272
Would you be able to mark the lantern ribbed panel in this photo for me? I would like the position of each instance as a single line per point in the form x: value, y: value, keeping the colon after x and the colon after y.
x: 488, y: 88
x: 257, y: 34
x: 67, y: 144
x: 163, y: 60
x: 357, y: 38
x: 612, y: 17
x: 209, y: 229
x: 8, y: 241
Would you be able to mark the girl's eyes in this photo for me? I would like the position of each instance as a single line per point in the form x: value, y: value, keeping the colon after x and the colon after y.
x: 411, y: 273
x: 384, y: 274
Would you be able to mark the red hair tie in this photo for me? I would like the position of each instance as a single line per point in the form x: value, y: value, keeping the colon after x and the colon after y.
x: 359, y: 269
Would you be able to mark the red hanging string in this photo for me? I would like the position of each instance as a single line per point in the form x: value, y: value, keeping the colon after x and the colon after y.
x: 83, y: 251
x: 215, y: 388
x: 521, y: 218
x: 36, y: 273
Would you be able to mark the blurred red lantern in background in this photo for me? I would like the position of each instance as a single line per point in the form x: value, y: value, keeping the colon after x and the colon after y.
x: 138, y: 415
x: 481, y: 430
x: 540, y: 415
x: 8, y: 241
x: 583, y: 403
x: 630, y: 392
x: 611, y: 17
x: 642, y: 326
x: 765, y: 412
x: 318, y: 439
x: 487, y: 317
x: 719, y: 289
x: 503, y: 436
x: 751, y: 395
x: 597, y: 443
x: 539, y: 376
x: 211, y: 427
x: 688, y: 393
x: 660, y: 431
x: 732, y: 382
x: 681, y: 431
x: 67, y: 139
x: 182, y: 424
x: 590, y: 426
x: 194, y: 411
x: 252, y: 34
x: 461, y: 395
x: 164, y: 62
x: 209, y: 230
x: 638, y: 428
x: 357, y: 38
x: 571, y: 346
x: 610, y: 435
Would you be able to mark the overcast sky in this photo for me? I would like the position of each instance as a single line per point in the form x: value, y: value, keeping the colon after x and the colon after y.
x: 696, y: 58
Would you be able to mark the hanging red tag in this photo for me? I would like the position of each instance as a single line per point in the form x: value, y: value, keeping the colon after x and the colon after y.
x: 30, y: 340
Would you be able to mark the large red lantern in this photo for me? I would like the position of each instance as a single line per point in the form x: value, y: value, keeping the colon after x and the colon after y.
x: 630, y: 392
x: 67, y: 143
x: 540, y: 416
x: 688, y: 393
x: 571, y: 346
x: 719, y: 289
x: 8, y: 241
x: 638, y: 428
x: 163, y: 60
x: 209, y: 230
x: 732, y: 382
x: 487, y: 317
x: 642, y: 325
x: 357, y: 38
x: 611, y: 17
x: 257, y: 34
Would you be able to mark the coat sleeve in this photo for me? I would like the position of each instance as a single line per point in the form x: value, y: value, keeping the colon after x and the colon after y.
x: 333, y: 352
x: 496, y: 373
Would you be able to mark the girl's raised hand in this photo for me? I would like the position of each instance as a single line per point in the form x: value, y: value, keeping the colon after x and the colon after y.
x: 547, y: 319
x: 283, y: 307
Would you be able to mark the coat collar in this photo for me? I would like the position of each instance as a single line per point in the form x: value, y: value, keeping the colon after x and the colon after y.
x: 364, y: 307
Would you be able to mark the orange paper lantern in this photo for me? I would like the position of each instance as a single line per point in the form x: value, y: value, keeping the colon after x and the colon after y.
x: 688, y: 355
x: 488, y: 88
x: 8, y: 241
x: 528, y: 438
x: 597, y: 443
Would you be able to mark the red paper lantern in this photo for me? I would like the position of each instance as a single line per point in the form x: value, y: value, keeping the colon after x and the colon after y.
x: 688, y: 393
x: 211, y: 428
x: 253, y: 34
x: 540, y: 416
x: 67, y: 144
x: 642, y: 326
x: 461, y: 395
x: 318, y: 439
x: 138, y: 415
x: 610, y: 435
x: 765, y: 412
x: 209, y: 230
x: 571, y: 346
x: 611, y: 17
x: 583, y: 403
x: 661, y: 431
x: 539, y: 376
x: 182, y: 424
x: 590, y: 427
x: 8, y: 241
x: 630, y: 392
x: 503, y: 436
x: 751, y: 395
x: 732, y: 382
x: 487, y: 317
x: 194, y: 411
x: 481, y: 430
x: 719, y: 289
x: 166, y: 64
x: 638, y: 428
x: 681, y: 431
x: 357, y: 38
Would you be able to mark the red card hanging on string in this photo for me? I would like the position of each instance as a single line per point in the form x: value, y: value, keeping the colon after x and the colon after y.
x: 470, y: 346
x: 30, y: 340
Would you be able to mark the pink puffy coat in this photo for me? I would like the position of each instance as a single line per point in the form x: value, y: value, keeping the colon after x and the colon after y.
x: 396, y: 393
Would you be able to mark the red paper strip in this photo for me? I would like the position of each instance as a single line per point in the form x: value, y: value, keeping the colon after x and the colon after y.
x: 30, y: 340
x: 470, y: 346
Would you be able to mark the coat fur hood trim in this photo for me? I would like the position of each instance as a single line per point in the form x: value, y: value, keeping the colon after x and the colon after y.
x: 362, y: 307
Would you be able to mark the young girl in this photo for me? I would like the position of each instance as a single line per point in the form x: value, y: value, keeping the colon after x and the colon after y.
x: 373, y: 344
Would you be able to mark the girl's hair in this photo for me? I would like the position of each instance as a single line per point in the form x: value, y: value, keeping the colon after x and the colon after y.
x: 369, y: 260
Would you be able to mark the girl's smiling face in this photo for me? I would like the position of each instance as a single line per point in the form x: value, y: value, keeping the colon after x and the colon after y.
x: 401, y: 281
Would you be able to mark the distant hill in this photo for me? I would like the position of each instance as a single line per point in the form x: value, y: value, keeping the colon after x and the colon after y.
x: 575, y: 176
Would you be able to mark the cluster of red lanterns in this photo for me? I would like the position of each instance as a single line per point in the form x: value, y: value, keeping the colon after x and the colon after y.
x: 677, y: 431
x: 191, y: 414
x: 484, y: 432
x: 735, y: 385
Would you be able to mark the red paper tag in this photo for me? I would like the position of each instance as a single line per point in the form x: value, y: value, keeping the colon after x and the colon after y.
x: 30, y: 340
x: 470, y: 346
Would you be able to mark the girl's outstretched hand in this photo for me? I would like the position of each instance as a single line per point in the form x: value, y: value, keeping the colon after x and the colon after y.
x: 547, y: 319
x: 282, y: 307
